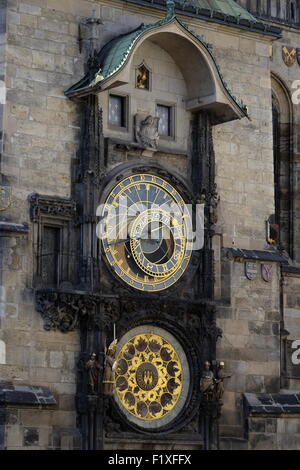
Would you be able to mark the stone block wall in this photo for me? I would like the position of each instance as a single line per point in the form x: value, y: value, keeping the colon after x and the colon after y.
x: 250, y: 346
x: 41, y: 138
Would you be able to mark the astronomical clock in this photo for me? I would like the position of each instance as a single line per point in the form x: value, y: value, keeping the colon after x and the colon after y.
x: 146, y: 245
x: 146, y: 248
x: 131, y: 276
x: 151, y: 275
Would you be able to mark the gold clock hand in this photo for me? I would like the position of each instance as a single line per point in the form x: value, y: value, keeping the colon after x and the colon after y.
x: 119, y: 242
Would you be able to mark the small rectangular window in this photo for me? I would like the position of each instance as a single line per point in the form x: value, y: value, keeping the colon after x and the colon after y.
x: 165, y: 121
x: 117, y: 111
x: 51, y: 248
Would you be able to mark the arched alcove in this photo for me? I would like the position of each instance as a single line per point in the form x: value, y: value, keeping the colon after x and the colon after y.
x: 206, y: 88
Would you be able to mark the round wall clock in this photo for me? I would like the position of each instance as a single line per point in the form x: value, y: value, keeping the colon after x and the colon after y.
x: 151, y: 377
x: 145, y: 232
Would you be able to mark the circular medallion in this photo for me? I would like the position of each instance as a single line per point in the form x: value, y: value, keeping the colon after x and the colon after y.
x: 144, y: 232
x: 146, y: 376
x: 151, y: 384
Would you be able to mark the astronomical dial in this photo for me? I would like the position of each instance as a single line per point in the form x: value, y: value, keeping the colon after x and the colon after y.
x: 145, y: 228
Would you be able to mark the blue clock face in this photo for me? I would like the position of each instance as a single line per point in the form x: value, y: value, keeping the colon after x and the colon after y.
x: 145, y: 232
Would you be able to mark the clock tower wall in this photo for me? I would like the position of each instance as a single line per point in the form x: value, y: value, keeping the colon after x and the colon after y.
x: 72, y: 151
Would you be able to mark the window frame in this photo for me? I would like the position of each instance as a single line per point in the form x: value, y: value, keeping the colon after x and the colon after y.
x: 125, y: 99
x: 173, y: 114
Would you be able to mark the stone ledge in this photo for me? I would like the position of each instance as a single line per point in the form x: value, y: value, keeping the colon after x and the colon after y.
x: 11, y: 227
x: 25, y: 395
x: 271, y: 404
x: 291, y: 269
x: 259, y: 255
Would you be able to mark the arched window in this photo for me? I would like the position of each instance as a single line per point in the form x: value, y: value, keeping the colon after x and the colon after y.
x: 282, y: 150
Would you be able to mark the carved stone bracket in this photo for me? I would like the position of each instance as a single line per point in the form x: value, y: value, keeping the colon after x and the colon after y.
x: 50, y: 205
x: 65, y: 311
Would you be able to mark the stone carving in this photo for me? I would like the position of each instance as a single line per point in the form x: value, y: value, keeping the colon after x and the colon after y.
x: 93, y: 368
x: 64, y: 311
x: 109, y: 369
x: 146, y: 131
x: 49, y: 205
x: 212, y: 381
x: 267, y: 272
x: 250, y: 270
x: 219, y: 381
x: 207, y: 382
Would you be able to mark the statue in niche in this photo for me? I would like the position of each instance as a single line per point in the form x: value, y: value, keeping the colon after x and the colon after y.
x: 219, y: 381
x: 146, y: 131
x: 109, y: 369
x: 207, y: 382
x: 212, y: 381
x: 93, y: 368
x: 142, y: 79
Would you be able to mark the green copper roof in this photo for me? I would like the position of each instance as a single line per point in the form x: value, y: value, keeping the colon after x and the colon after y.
x: 115, y: 53
x: 218, y: 11
x: 227, y: 7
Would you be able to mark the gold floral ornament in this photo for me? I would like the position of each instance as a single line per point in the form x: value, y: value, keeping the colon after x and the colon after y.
x: 148, y: 376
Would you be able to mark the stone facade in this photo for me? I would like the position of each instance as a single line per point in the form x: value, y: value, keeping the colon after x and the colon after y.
x: 43, y: 52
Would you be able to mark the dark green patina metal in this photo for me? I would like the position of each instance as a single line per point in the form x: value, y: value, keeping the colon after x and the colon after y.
x: 218, y: 11
x: 228, y: 7
x: 115, y: 53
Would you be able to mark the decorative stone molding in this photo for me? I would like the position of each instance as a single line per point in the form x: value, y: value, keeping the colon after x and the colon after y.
x: 50, y: 206
x: 64, y: 311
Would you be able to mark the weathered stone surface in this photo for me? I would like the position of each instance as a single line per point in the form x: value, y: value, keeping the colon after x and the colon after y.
x: 40, y: 57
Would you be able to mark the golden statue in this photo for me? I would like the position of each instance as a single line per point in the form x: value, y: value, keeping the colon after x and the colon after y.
x: 142, y: 78
x: 109, y: 368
